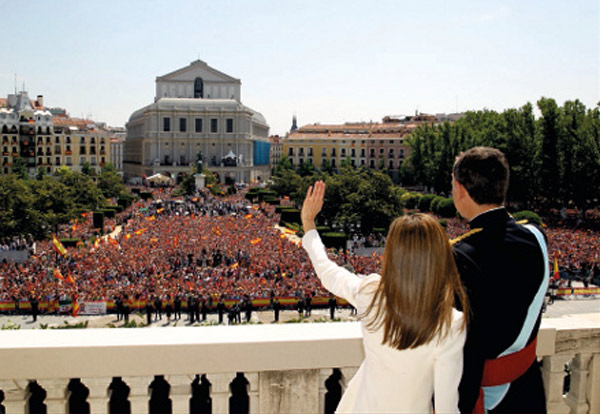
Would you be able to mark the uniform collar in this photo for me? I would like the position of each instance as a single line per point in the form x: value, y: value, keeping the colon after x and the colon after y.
x: 489, y: 217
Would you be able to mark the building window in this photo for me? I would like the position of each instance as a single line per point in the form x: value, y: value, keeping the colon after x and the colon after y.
x: 182, y: 125
x: 166, y: 124
x: 362, y: 152
x: 93, y: 140
x: 93, y: 160
x: 229, y: 125
x: 82, y: 150
x: 333, y: 152
x: 56, y: 140
x: 301, y: 152
x: 353, y: 152
x: 214, y: 125
x: 198, y: 88
x: 198, y: 124
x: 391, y: 165
x: 372, y: 152
x: 82, y: 160
x: 391, y: 153
x: 333, y: 162
x: 57, y: 161
x: 310, y: 151
x: 324, y: 152
x: 82, y: 140
x: 290, y: 151
x: 380, y: 151
x: 372, y: 163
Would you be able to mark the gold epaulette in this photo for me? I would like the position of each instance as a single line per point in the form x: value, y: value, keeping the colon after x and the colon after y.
x: 464, y: 236
x: 523, y: 221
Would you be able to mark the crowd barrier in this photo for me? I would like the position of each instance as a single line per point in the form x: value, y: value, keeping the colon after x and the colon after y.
x: 109, y: 306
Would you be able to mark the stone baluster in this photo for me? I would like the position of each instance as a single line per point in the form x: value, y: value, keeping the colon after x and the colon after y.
x: 139, y: 393
x: 253, y: 393
x: 291, y: 391
x: 181, y: 392
x: 323, y: 375
x: 347, y: 374
x: 576, y: 398
x: 219, y: 391
x: 553, y: 374
x: 593, y: 386
x: 99, y: 395
x: 57, y: 394
x: 15, y: 395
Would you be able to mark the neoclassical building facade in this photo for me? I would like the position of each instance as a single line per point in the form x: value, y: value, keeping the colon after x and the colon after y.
x: 197, y: 110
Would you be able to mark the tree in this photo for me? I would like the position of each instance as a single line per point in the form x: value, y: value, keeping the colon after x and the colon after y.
x: 17, y: 215
x: 52, y: 200
x: 19, y: 168
x: 326, y: 166
x: 110, y: 182
x: 40, y: 174
x: 549, y: 125
x: 188, y: 184
x: 85, y: 194
x: 86, y: 168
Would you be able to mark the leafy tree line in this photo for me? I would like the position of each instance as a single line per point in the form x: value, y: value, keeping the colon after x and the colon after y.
x: 554, y: 160
x: 38, y: 205
x: 352, y: 196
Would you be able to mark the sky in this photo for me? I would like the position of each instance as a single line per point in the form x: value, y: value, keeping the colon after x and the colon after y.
x: 325, y: 61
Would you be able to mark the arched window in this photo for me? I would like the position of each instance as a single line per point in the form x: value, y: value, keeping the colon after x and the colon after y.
x: 198, y: 88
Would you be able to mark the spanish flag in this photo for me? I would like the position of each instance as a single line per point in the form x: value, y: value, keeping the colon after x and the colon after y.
x: 58, y: 275
x: 112, y: 241
x: 160, y: 210
x: 556, y: 273
x: 127, y: 236
x: 96, y: 242
x: 70, y: 278
x: 141, y: 231
x: 175, y: 241
x: 236, y: 264
x: 151, y: 218
x: 248, y: 216
x: 254, y: 242
x: 75, y: 306
x: 58, y: 246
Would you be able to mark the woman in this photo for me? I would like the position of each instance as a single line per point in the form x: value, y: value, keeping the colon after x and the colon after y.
x: 413, y: 337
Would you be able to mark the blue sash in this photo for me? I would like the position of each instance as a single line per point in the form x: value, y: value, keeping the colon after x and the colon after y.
x: 494, y: 395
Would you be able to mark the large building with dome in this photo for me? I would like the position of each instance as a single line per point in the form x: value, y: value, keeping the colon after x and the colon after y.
x: 197, y: 111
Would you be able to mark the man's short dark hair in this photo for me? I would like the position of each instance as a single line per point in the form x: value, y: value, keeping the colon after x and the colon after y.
x: 483, y: 171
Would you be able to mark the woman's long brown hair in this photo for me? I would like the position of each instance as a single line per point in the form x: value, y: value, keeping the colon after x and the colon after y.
x: 419, y: 284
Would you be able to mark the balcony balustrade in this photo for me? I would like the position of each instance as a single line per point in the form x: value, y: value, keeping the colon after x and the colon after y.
x: 271, y: 368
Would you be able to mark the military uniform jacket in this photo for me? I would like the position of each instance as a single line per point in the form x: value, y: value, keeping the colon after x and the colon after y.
x: 502, y: 268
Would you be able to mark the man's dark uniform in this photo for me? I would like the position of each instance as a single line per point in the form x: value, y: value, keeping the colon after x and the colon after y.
x: 502, y: 268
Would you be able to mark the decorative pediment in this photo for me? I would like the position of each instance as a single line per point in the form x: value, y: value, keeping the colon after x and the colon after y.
x: 197, y: 69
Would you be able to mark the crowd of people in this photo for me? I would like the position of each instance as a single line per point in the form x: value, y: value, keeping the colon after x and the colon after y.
x: 213, y: 248
x: 210, y: 248
x: 17, y: 243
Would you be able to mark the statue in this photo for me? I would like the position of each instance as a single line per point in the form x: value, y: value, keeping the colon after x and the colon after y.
x: 199, y: 162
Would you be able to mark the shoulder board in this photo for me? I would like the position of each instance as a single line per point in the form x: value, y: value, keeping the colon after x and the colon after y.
x: 464, y: 236
x: 523, y: 221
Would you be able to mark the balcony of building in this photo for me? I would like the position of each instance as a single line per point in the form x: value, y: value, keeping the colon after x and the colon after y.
x: 284, y: 368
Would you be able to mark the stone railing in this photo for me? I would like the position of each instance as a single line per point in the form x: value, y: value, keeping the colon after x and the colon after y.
x: 285, y: 368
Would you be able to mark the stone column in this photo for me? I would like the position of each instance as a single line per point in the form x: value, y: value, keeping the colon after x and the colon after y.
x: 98, y: 398
x: 253, y: 394
x: 56, y: 394
x: 323, y: 375
x: 219, y: 391
x: 553, y: 374
x: 15, y: 395
x: 181, y: 392
x: 139, y: 393
x: 576, y: 398
x: 593, y: 385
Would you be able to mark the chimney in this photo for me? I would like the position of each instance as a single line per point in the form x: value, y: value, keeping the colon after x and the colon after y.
x: 12, y: 100
x: 40, y: 100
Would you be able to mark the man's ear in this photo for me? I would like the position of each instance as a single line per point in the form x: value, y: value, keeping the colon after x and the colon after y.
x: 459, y: 190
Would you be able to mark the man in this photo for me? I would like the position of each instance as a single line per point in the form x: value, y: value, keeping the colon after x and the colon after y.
x: 332, y: 305
x: 276, y: 309
x: 498, y: 251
